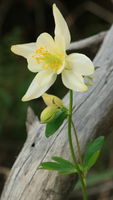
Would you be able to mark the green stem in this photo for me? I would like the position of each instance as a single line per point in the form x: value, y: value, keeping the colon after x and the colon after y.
x: 78, y: 145
x: 69, y: 128
x: 81, y: 175
x: 84, y: 187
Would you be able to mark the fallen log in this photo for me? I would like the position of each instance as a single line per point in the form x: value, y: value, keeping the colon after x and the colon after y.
x: 89, y: 42
x: 93, y: 115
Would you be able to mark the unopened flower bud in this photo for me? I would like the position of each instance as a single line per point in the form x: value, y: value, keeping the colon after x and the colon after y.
x: 48, y: 114
x: 51, y: 100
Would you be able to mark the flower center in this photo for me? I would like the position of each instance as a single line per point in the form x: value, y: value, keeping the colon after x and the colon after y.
x: 49, y: 60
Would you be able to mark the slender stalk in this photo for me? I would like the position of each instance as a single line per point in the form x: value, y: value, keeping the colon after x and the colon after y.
x: 81, y: 175
x: 78, y: 145
x: 84, y: 187
x: 69, y: 128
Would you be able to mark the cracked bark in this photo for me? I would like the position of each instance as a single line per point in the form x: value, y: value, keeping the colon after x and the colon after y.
x: 94, y: 110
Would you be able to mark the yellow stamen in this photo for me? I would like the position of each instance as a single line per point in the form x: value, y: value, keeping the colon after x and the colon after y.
x: 50, y: 60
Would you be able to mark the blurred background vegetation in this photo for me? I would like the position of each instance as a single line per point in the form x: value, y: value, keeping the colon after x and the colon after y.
x: 21, y: 21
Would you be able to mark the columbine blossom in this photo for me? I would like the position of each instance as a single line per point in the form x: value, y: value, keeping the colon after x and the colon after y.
x: 48, y: 57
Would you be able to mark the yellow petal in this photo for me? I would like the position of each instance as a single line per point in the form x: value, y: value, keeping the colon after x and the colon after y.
x: 45, y: 40
x: 81, y: 63
x: 60, y: 44
x: 61, y: 28
x: 33, y: 66
x: 51, y: 100
x: 73, y: 81
x: 40, y: 84
x: 24, y: 49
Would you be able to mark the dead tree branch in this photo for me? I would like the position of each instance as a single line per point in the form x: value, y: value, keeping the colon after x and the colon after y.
x: 91, y: 117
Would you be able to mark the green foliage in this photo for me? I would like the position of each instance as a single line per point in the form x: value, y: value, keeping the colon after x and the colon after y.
x: 92, y: 160
x: 14, y: 81
x: 54, y: 125
x: 99, y: 177
x: 96, y: 178
x: 61, y: 165
x: 92, y: 152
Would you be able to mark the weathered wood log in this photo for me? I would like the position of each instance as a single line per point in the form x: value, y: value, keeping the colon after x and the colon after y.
x: 91, y: 113
x: 89, y: 42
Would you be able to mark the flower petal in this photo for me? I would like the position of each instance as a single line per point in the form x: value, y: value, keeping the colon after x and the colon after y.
x: 81, y: 63
x: 33, y: 66
x: 45, y: 40
x: 60, y: 44
x: 40, y: 84
x: 24, y: 49
x: 59, y: 71
x: 73, y: 80
x: 61, y: 27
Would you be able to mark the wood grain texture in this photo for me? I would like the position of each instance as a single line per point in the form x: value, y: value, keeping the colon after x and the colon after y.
x: 25, y: 182
x: 89, y: 42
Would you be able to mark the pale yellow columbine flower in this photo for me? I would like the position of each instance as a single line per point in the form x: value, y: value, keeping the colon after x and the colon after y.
x: 48, y: 57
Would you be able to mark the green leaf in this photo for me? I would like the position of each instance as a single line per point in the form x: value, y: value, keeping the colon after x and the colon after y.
x: 70, y: 171
x: 61, y: 165
x: 53, y: 126
x: 92, y: 160
x: 50, y: 166
x: 63, y: 162
x: 81, y: 168
x: 92, y: 152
